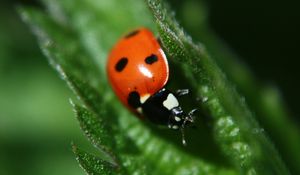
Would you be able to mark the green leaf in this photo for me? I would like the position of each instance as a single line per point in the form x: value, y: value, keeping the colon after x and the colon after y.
x: 237, y: 132
x: 76, y: 38
x: 95, y: 128
x: 264, y: 99
x: 92, y: 164
x: 137, y: 147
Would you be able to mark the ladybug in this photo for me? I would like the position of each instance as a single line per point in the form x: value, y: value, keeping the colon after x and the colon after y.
x: 138, y: 71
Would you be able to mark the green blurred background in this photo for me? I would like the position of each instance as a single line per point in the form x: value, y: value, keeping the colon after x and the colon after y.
x: 36, y: 121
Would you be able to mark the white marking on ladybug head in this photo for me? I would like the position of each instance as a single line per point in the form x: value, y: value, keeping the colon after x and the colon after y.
x: 171, y: 102
x: 144, y: 98
x: 177, y: 119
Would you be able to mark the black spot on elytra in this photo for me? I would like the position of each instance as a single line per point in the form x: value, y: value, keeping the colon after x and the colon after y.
x: 131, y: 34
x: 134, y: 99
x: 121, y: 64
x: 151, y: 59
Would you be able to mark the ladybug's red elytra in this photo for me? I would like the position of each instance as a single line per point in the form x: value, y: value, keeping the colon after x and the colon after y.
x: 138, y: 71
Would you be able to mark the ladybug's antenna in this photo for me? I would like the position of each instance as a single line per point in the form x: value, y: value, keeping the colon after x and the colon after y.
x: 188, y: 118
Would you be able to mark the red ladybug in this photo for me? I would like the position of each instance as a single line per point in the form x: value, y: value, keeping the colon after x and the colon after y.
x: 138, y: 71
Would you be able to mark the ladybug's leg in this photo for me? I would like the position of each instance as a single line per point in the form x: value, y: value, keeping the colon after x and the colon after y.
x: 189, y: 118
x: 182, y: 92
